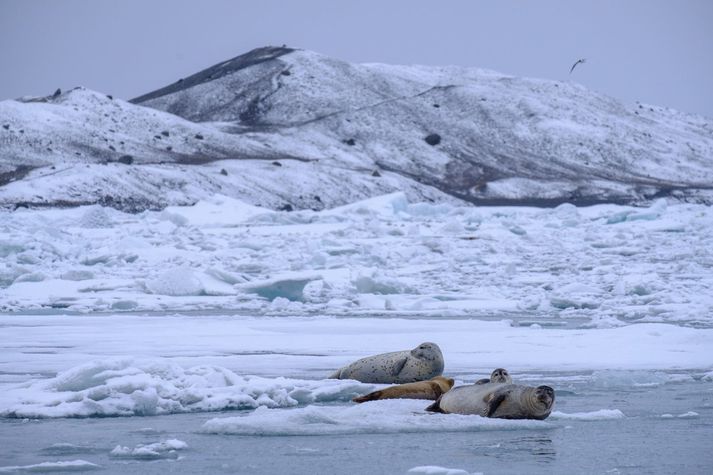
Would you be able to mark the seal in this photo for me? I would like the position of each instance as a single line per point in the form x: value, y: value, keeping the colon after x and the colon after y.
x: 498, y: 400
x: 431, y: 389
x: 499, y: 375
x: 422, y: 363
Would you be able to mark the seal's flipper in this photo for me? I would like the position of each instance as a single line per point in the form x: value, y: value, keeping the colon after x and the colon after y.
x: 495, y: 401
x: 483, y: 381
x: 436, y: 407
x: 368, y: 397
x: 399, y: 365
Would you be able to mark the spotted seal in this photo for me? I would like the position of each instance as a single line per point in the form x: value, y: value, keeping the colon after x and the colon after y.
x: 503, y: 401
x: 499, y: 375
x: 422, y: 363
x: 431, y: 389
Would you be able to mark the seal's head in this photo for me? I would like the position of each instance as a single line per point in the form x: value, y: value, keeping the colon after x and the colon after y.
x: 545, y: 395
x: 427, y: 351
x: 500, y: 375
x: 444, y: 383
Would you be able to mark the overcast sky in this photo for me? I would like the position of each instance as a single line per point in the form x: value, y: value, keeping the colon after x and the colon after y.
x: 658, y: 52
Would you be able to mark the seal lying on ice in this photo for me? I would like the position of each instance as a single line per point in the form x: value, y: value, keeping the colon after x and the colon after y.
x: 499, y: 375
x: 422, y: 363
x: 503, y: 401
x: 431, y: 389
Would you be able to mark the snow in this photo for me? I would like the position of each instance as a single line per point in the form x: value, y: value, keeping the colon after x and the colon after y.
x: 382, y: 256
x: 207, y: 300
x: 167, y: 449
x: 270, y: 303
x: 238, y: 315
x: 312, y: 139
x: 685, y: 415
x: 208, y: 363
x: 379, y: 417
x: 219, y: 211
x: 129, y: 388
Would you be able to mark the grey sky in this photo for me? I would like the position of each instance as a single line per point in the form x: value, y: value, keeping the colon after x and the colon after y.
x: 658, y: 52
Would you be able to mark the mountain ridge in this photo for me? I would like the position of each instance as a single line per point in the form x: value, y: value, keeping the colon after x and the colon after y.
x: 438, y: 133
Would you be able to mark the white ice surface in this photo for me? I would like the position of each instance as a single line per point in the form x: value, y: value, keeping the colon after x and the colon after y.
x: 600, y: 415
x: 273, y: 302
x: 601, y: 266
x: 167, y: 449
x: 387, y: 416
x: 127, y: 387
x: 58, y: 366
x: 685, y: 415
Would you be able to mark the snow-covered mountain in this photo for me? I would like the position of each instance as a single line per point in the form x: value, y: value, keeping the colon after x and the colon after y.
x: 290, y: 129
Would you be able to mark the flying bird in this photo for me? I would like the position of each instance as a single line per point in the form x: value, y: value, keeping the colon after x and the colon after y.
x: 583, y: 60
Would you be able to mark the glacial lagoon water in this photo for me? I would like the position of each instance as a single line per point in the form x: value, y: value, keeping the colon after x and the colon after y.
x: 666, y: 427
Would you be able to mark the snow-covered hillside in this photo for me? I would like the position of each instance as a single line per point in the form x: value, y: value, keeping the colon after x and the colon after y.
x: 292, y: 129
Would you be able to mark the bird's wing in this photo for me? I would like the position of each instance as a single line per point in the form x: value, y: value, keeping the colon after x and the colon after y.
x: 575, y: 65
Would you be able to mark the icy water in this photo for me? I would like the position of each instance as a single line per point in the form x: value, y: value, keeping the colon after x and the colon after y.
x: 665, y: 428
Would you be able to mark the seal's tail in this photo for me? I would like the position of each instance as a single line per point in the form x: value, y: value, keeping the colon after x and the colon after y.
x: 368, y: 397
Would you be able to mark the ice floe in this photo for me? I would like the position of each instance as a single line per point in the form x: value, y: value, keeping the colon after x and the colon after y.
x: 128, y: 387
x: 167, y: 449
x: 685, y: 415
x: 600, y: 415
x: 379, y: 417
x: 603, y: 266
